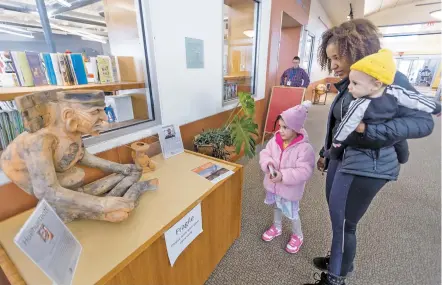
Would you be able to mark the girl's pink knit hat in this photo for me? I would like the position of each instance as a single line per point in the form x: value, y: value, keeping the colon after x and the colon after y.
x: 295, y: 117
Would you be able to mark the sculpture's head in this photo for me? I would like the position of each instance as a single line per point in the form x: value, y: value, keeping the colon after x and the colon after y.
x: 82, y: 111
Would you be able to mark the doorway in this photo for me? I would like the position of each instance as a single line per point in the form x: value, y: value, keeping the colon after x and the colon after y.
x: 288, y: 43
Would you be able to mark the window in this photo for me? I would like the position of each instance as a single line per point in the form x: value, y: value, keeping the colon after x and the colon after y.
x: 307, y: 45
x: 108, y: 38
x: 240, y: 45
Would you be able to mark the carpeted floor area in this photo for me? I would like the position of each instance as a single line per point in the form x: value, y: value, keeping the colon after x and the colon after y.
x: 399, y: 239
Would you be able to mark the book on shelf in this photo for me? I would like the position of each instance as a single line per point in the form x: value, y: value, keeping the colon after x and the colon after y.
x: 50, y: 71
x: 126, y: 69
x: 71, y: 69
x: 23, y: 69
x: 63, y: 69
x: 11, y: 124
x: 8, y: 74
x: 92, y: 70
x: 104, y: 69
x: 45, y: 68
x: 38, y: 74
x: 57, y: 71
x: 115, y: 70
x: 79, y: 68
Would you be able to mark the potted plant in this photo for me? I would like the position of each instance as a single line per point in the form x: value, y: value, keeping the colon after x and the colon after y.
x: 239, y: 131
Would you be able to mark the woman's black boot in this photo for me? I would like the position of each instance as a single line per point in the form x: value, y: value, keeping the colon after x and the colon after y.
x: 327, y: 279
x: 321, y: 263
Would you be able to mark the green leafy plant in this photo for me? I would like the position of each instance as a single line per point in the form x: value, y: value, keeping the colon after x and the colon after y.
x: 239, y: 131
x: 217, y: 140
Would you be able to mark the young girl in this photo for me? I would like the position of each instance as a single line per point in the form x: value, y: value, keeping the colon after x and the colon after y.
x: 288, y: 162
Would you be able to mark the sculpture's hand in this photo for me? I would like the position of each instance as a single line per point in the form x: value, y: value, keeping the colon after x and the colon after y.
x: 116, y: 217
x: 112, y: 204
x: 128, y: 169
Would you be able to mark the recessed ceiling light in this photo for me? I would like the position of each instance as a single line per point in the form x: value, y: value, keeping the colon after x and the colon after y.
x: 436, y: 14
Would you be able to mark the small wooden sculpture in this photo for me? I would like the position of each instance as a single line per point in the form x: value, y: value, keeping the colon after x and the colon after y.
x: 140, y: 157
x: 43, y: 161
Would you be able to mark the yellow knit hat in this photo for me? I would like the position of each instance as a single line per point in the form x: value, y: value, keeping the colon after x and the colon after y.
x: 379, y: 65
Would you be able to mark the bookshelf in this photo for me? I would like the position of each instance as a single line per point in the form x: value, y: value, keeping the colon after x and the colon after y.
x: 9, y: 93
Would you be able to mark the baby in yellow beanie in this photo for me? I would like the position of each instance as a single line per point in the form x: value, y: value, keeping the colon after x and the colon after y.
x: 377, y: 99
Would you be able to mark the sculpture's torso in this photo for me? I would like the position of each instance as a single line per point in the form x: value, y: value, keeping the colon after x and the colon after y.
x: 66, y: 153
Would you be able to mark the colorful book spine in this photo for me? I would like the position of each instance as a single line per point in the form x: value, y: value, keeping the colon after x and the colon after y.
x: 115, y: 69
x: 56, y: 66
x: 92, y: 70
x: 8, y: 74
x: 11, y: 124
x: 64, y: 70
x: 49, y: 68
x: 71, y: 69
x: 79, y: 68
x: 104, y: 69
x: 38, y: 74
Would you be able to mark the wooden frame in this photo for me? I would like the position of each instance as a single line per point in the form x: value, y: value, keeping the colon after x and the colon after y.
x: 264, y: 133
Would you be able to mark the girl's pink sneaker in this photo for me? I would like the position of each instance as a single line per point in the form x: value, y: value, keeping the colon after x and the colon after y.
x: 271, y: 233
x: 294, y: 244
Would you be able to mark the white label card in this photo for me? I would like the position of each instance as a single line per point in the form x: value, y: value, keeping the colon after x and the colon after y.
x: 171, y: 142
x: 179, y: 236
x: 48, y: 242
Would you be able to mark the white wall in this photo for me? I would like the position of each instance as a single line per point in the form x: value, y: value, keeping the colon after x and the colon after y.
x: 187, y: 95
x: 316, y: 27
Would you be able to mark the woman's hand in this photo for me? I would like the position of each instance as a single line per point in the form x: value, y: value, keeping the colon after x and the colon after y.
x: 277, y: 178
x: 320, y: 164
x: 361, y: 128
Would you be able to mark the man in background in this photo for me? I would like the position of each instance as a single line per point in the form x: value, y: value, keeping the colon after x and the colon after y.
x: 295, y: 76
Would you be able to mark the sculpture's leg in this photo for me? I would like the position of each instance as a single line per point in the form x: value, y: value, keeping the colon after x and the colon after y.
x: 102, y: 185
x: 135, y: 191
x: 120, y: 189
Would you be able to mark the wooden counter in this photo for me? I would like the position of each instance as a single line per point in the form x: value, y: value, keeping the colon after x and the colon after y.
x: 134, y: 251
x: 9, y: 93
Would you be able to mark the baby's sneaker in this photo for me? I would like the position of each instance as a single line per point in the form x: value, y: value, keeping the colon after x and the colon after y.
x: 271, y: 233
x: 294, y: 244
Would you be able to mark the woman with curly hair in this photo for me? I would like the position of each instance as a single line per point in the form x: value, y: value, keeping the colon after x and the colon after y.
x: 369, y: 160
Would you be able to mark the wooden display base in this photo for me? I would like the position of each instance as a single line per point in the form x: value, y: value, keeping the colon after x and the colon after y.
x: 134, y: 251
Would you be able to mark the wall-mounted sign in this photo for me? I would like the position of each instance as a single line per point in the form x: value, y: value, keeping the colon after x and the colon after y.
x: 194, y: 53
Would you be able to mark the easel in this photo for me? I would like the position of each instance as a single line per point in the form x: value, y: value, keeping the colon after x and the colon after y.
x: 281, y: 99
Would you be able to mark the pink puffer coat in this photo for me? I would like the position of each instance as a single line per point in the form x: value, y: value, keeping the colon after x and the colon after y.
x: 296, y: 163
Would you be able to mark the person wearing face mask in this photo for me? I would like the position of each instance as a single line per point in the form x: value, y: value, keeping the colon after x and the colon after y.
x: 352, y: 181
x: 295, y: 76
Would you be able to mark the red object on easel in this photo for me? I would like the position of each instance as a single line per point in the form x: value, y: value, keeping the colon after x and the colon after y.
x: 282, y: 98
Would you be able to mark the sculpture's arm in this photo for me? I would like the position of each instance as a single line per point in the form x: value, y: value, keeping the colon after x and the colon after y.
x: 39, y: 160
x: 106, y: 165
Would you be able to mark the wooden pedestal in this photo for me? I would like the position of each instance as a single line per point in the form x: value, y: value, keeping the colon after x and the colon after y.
x: 134, y: 252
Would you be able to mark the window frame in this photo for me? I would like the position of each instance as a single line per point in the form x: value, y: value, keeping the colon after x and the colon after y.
x: 256, y: 24
x: 142, y: 128
x: 305, y: 35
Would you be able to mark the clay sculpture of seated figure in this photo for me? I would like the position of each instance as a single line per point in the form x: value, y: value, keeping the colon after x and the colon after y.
x: 42, y: 161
